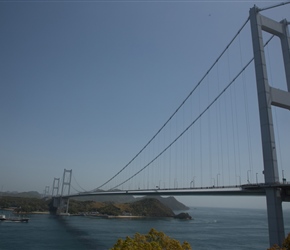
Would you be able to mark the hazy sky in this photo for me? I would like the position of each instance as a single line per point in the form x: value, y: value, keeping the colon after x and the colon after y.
x: 85, y: 84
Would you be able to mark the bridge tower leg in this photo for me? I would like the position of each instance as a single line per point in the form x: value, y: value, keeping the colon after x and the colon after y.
x: 268, y: 96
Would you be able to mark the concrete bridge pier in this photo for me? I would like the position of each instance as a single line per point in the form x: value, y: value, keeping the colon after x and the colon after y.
x: 60, y: 205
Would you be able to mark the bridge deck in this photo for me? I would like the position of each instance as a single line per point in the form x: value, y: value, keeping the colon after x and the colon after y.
x: 243, y: 190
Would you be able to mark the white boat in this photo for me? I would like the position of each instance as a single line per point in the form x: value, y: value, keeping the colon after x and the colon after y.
x: 13, y: 219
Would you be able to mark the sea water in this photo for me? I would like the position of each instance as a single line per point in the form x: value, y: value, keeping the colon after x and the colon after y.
x: 210, y: 228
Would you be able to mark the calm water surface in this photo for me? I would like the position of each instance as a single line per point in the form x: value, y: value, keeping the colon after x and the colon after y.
x: 212, y: 228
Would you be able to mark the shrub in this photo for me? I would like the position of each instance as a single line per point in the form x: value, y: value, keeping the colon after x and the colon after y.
x: 154, y: 240
x: 285, y: 245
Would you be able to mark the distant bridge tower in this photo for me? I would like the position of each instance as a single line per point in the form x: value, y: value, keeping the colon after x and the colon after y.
x: 55, y: 186
x: 59, y: 202
x: 46, y: 191
x: 66, y: 180
x: 268, y: 96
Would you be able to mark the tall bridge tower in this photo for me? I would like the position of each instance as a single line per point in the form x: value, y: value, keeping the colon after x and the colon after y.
x: 268, y: 96
x: 66, y: 181
x: 55, y: 186
x: 60, y: 203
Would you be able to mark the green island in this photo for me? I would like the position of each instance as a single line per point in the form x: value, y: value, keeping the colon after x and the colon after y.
x: 137, y: 207
x: 147, y: 207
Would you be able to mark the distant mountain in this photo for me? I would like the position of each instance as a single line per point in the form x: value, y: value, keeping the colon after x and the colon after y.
x: 30, y: 194
x: 107, y: 198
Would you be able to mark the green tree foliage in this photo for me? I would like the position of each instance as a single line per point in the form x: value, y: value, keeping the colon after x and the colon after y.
x: 110, y: 209
x: 80, y: 206
x: 151, y: 207
x: 154, y: 240
x: 23, y: 204
x: 285, y: 245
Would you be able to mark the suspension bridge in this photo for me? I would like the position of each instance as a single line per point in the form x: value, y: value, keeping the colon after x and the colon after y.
x: 205, y: 146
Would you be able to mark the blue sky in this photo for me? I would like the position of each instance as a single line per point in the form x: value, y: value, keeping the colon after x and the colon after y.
x: 85, y: 84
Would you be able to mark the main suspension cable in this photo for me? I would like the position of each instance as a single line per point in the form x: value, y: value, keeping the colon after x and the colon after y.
x: 183, y: 102
x: 78, y: 183
x: 273, y: 6
x: 195, y: 120
x: 190, y: 125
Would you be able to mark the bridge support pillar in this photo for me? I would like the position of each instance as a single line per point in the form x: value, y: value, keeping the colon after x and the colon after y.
x: 268, y: 96
x: 275, y: 216
x: 59, y: 205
